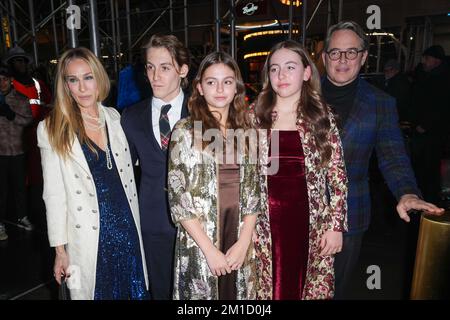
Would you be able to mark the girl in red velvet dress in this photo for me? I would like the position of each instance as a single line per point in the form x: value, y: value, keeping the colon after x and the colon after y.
x: 307, y: 196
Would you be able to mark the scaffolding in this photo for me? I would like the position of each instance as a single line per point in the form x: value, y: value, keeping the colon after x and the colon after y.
x: 106, y: 20
x: 115, y: 29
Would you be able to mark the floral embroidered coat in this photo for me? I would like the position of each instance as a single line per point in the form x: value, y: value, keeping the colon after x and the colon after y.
x: 192, y: 189
x: 327, y: 194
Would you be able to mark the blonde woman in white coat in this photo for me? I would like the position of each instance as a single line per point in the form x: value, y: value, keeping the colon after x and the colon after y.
x: 89, y: 188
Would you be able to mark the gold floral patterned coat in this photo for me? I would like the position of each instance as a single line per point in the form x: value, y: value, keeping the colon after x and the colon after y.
x: 192, y: 189
x: 326, y: 213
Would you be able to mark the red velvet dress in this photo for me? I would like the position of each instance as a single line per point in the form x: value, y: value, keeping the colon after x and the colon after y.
x: 289, y: 218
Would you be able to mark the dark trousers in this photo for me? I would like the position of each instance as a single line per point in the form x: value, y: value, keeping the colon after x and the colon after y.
x: 159, y: 253
x: 12, y: 185
x: 345, y: 263
x: 426, y: 152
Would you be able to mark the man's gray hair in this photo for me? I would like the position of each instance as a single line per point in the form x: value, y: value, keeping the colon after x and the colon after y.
x: 348, y: 25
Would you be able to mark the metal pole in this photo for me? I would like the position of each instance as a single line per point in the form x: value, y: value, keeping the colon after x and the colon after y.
x: 304, y: 11
x: 341, y: 4
x: 113, y: 26
x: 378, y: 53
x: 233, y: 29
x: 63, y: 26
x: 13, y: 22
x: 33, y: 31
x: 41, y: 24
x: 73, y: 37
x: 399, y: 56
x: 4, y: 33
x: 149, y: 28
x: 408, y: 52
x: 216, y: 9
x: 171, y: 16
x: 314, y: 13
x: 118, y: 32
x: 93, y: 27
x: 186, y: 30
x: 329, y: 15
x: 55, y: 35
x: 291, y: 13
x: 127, y: 5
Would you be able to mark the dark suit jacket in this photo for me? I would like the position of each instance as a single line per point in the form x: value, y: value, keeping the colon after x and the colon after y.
x: 153, y: 203
x: 373, y: 125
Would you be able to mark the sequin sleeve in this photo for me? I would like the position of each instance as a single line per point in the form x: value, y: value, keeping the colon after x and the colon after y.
x: 183, y: 172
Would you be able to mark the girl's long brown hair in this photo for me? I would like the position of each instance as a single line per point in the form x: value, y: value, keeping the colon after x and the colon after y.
x: 311, y: 107
x: 198, y: 108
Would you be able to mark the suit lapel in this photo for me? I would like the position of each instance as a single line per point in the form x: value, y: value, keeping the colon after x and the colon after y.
x: 148, y: 125
x: 356, y: 112
x: 184, y: 108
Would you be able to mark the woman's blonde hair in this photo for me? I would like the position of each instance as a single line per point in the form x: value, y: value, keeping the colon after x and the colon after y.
x: 65, y: 122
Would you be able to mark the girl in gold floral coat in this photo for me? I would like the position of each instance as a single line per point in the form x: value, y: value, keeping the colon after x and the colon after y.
x: 214, y: 204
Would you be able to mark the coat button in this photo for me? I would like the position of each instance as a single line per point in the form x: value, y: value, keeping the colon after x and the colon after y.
x: 131, y: 181
x: 117, y: 154
x: 78, y: 192
x: 78, y: 226
x: 94, y: 228
x: 94, y: 211
x: 135, y: 194
x: 128, y: 164
x: 126, y: 149
x: 130, y: 200
x: 121, y: 170
x: 125, y: 186
x: 79, y: 208
x: 76, y: 176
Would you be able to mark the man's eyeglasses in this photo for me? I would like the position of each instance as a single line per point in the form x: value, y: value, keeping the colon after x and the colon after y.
x: 349, y: 54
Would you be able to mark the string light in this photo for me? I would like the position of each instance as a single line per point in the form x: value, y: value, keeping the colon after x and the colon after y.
x: 267, y: 32
x: 256, y: 54
x: 297, y: 3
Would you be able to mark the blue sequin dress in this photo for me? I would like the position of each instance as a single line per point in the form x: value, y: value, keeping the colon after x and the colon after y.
x: 120, y: 274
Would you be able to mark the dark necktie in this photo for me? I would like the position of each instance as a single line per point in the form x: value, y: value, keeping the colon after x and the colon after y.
x: 164, y: 126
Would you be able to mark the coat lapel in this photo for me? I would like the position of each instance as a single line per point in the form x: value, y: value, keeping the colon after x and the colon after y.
x: 148, y: 125
x: 78, y: 156
x: 113, y: 130
x: 356, y: 113
x: 184, y: 108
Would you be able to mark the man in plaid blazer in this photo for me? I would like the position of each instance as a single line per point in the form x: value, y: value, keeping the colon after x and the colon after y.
x: 368, y: 121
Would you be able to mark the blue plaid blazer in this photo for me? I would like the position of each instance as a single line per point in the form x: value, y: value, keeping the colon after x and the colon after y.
x: 373, y: 125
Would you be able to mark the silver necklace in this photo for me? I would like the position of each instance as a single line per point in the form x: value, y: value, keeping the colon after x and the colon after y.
x: 100, y: 125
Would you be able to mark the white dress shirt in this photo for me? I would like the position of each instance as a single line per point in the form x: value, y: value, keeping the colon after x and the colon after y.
x: 174, y: 113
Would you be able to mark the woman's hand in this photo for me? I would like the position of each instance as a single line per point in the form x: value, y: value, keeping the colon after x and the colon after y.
x: 217, y: 262
x: 61, y: 264
x: 236, y: 254
x: 331, y: 242
x: 255, y: 237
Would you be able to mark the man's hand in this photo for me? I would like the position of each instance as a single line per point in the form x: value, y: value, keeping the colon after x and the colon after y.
x: 411, y: 201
